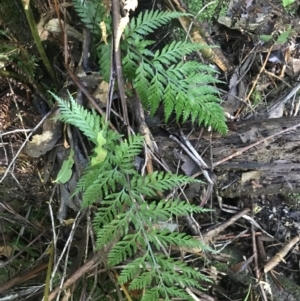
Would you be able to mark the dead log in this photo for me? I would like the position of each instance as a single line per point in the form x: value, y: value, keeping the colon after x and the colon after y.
x: 271, y: 167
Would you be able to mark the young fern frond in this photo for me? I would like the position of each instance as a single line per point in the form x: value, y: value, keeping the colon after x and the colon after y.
x: 125, y: 220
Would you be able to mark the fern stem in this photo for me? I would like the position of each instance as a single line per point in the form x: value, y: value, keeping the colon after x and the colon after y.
x: 118, y: 62
x: 142, y: 228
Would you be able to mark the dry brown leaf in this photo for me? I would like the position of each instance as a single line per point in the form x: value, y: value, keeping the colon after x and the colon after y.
x: 41, y: 144
x: 251, y: 175
x: 53, y: 27
x: 294, y: 67
x: 101, y: 92
x: 6, y: 251
x: 69, y: 222
x: 103, y: 32
x: 107, y: 5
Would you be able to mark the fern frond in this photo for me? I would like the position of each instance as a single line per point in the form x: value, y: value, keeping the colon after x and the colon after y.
x: 162, y: 77
x: 143, y: 280
x: 133, y: 269
x: 189, y: 67
x: 116, y: 229
x: 90, y: 174
x: 164, y: 210
x: 103, y: 185
x: 125, y: 153
x: 151, y: 295
x: 105, y: 58
x: 130, y: 64
x: 171, y: 278
x: 142, y: 82
x: 147, y: 22
x: 142, y: 47
x: 170, y: 96
x: 171, y: 53
x: 179, y: 266
x: 104, y: 217
x: 155, y: 92
x: 112, y: 138
x: 92, y: 13
x: 124, y: 249
x: 158, y: 181
x: 184, y: 94
x: 166, y: 238
x: 89, y: 123
x: 124, y: 220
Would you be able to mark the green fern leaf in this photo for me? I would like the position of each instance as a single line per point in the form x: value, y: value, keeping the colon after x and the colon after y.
x: 105, y: 55
x: 173, y: 291
x: 182, y: 87
x: 124, y: 220
x: 147, y: 22
x: 89, y: 123
x: 124, y: 249
x: 170, y: 96
x: 151, y: 295
x: 166, y: 238
x: 174, y: 266
x: 130, y: 64
x: 181, y: 107
x: 143, y: 280
x: 109, y: 232
x: 142, y: 83
x: 163, y: 181
x: 102, y: 186
x: 92, y: 13
x: 164, y: 210
x: 142, y: 47
x: 133, y: 269
x: 174, y: 51
x: 155, y: 93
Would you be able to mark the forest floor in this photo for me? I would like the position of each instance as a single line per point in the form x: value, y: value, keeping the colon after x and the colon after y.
x: 255, y: 200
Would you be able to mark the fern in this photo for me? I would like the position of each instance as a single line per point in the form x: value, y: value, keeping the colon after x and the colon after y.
x: 105, y: 60
x: 125, y: 219
x: 89, y: 123
x: 184, y: 88
x: 147, y: 22
x: 92, y: 13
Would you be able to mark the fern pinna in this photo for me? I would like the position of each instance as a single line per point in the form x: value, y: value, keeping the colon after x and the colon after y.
x: 125, y: 220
